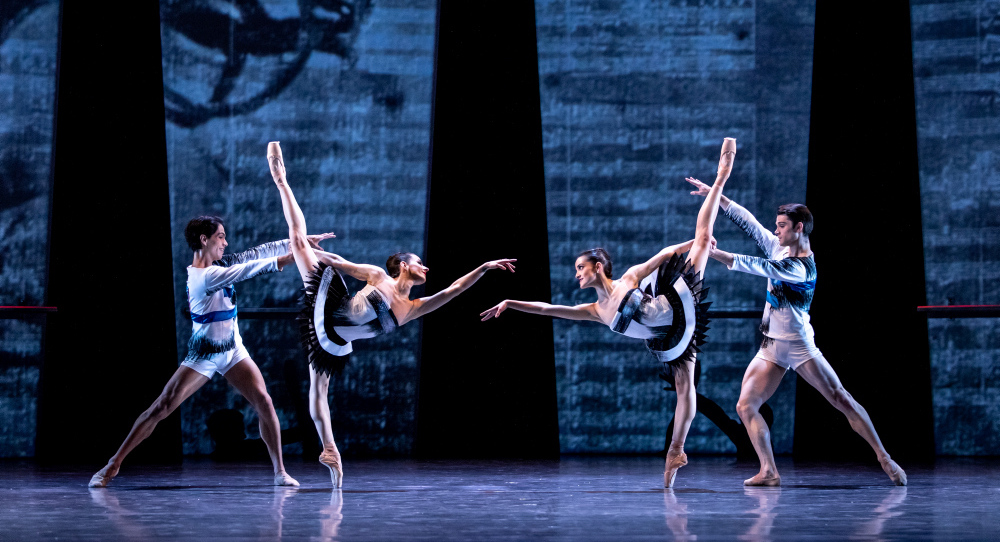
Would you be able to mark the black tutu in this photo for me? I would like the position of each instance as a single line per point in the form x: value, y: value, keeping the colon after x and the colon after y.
x: 683, y: 337
x: 332, y: 299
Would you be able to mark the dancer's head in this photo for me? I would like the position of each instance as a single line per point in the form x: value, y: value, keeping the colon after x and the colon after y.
x: 206, y: 233
x: 407, y: 265
x: 590, y: 264
x: 794, y: 221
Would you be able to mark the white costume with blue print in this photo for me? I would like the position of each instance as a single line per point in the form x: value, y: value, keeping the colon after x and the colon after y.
x: 791, y: 284
x: 212, y: 297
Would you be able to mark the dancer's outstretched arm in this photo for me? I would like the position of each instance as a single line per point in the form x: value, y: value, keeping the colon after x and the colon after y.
x: 586, y: 311
x: 425, y: 305
x: 305, y: 259
x: 794, y: 270
x: 710, y: 207
x: 638, y: 272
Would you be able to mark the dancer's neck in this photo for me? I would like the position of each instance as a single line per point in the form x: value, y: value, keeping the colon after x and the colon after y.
x: 604, y: 287
x: 800, y: 249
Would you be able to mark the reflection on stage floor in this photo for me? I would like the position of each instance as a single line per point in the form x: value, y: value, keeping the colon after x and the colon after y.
x: 574, y: 498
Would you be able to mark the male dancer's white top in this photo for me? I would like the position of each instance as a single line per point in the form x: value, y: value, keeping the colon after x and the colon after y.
x: 212, y: 298
x: 792, y: 280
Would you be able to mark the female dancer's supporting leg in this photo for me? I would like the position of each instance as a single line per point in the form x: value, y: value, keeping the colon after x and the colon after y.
x: 684, y: 373
x: 306, y: 261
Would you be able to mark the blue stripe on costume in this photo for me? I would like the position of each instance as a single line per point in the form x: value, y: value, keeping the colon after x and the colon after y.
x: 214, y: 316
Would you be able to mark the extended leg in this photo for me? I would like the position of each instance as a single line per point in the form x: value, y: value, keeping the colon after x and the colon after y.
x: 181, y: 385
x: 246, y: 378
x: 759, y: 384
x: 319, y: 410
x: 683, y: 415
x: 305, y: 258
x: 820, y: 375
x: 710, y: 208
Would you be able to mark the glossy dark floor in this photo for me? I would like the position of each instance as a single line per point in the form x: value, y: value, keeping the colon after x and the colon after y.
x: 576, y: 498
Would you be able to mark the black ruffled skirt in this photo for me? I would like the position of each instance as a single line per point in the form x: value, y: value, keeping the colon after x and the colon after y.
x: 324, y: 294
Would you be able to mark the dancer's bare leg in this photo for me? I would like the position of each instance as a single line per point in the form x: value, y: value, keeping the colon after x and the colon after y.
x: 181, y: 385
x: 306, y: 261
x: 710, y: 208
x: 684, y: 377
x: 305, y: 258
x: 759, y: 383
x: 246, y: 378
x: 683, y: 416
x: 319, y: 410
x: 820, y: 375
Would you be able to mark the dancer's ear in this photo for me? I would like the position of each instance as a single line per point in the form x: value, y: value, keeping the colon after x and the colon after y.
x: 204, y: 240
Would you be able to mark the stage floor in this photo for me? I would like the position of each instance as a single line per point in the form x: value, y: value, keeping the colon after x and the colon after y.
x: 575, y: 498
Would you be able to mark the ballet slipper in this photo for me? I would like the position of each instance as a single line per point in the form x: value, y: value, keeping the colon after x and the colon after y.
x: 761, y: 479
x: 895, y: 472
x: 675, y: 460
x: 330, y: 458
x: 103, y: 477
x: 283, y: 479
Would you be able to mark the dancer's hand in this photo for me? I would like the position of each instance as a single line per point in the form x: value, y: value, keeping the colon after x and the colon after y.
x: 284, y: 260
x: 494, y: 312
x: 506, y: 263
x: 701, y: 189
x: 315, y: 239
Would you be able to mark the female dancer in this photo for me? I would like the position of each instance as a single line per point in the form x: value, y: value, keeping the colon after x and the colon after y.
x: 332, y: 318
x: 215, y: 345
x: 668, y: 313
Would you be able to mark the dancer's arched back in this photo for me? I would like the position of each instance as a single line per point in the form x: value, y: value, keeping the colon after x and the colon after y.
x: 667, y: 310
x: 332, y: 317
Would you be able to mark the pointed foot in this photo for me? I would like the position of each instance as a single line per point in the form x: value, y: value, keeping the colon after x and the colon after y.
x: 675, y: 460
x: 330, y: 458
x: 895, y: 472
x: 103, y: 477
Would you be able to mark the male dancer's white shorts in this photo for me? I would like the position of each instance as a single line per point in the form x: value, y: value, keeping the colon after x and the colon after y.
x: 789, y: 354
x: 219, y: 363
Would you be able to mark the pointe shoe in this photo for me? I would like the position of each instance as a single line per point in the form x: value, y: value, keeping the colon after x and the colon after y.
x: 728, y: 156
x: 764, y: 481
x: 102, y: 478
x: 276, y: 161
x: 895, y: 472
x: 283, y: 479
x: 330, y: 458
x: 674, y: 463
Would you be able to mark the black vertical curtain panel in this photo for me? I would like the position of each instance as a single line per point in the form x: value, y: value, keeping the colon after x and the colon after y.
x: 111, y: 347
x: 864, y: 192
x: 487, y: 389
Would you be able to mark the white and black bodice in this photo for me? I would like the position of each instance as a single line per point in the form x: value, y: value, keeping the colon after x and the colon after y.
x: 666, y: 311
x: 332, y: 318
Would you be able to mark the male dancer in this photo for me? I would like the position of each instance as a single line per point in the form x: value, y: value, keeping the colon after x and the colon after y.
x: 788, y: 336
x: 215, y: 345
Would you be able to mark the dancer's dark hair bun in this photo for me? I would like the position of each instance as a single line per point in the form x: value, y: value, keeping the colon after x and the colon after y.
x: 392, y: 264
x: 202, y: 225
x: 595, y: 255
